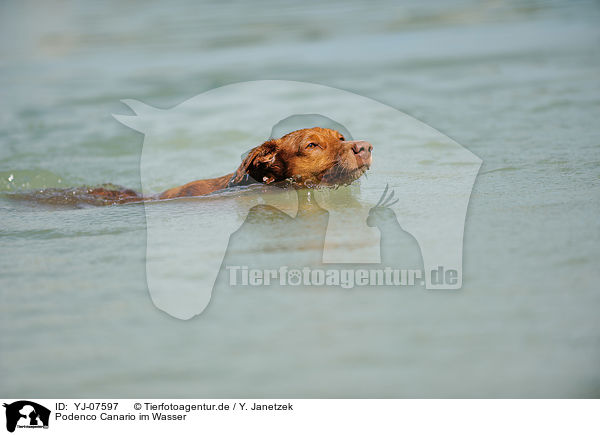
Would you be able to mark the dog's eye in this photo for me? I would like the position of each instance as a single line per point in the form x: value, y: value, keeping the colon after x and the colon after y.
x: 342, y: 138
x: 313, y: 145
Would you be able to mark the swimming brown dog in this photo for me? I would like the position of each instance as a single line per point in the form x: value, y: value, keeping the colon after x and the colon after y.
x: 303, y: 158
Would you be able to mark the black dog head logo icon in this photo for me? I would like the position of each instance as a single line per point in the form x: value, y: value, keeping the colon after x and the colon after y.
x: 30, y: 412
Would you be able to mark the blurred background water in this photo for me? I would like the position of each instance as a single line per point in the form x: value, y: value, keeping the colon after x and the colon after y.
x: 516, y: 82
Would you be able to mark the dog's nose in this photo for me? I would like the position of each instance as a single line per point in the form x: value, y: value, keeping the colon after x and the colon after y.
x: 362, y: 149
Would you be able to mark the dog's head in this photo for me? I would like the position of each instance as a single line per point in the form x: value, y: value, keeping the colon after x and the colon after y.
x: 307, y: 157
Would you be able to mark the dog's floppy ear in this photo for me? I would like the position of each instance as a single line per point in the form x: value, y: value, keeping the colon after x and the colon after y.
x: 258, y: 166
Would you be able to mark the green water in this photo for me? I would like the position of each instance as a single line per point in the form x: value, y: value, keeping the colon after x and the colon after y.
x: 514, y: 82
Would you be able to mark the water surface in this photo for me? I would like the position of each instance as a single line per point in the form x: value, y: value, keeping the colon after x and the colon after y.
x: 514, y: 82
